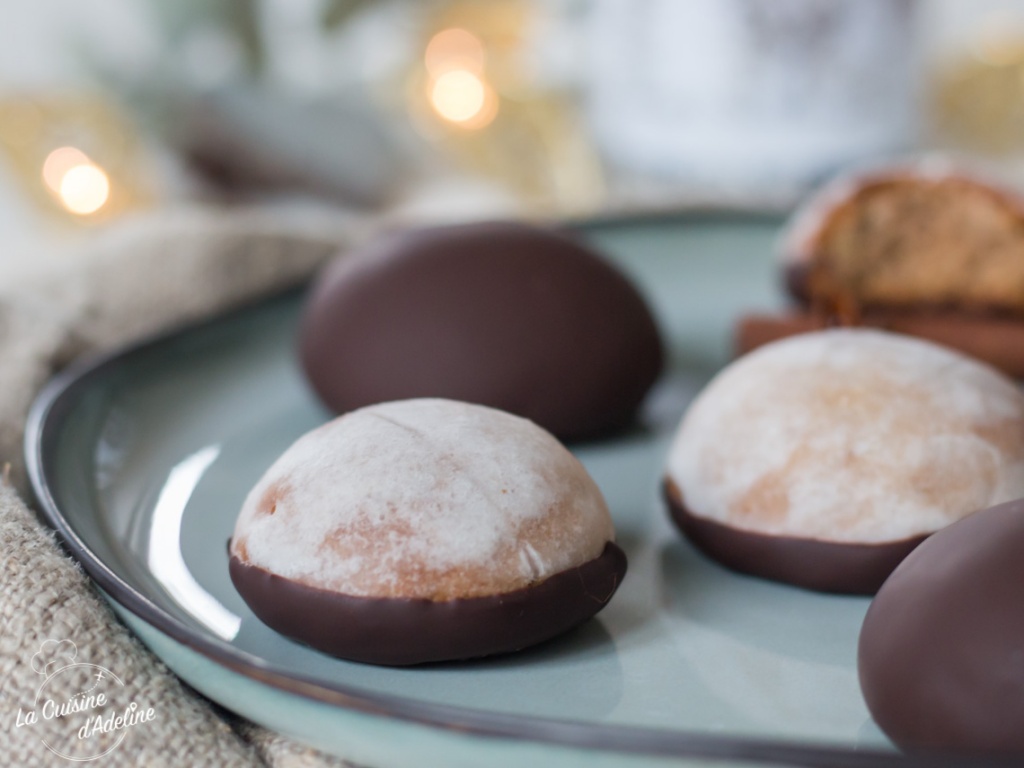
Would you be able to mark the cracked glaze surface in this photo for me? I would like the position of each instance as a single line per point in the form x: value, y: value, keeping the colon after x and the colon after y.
x: 423, y: 498
x: 850, y: 436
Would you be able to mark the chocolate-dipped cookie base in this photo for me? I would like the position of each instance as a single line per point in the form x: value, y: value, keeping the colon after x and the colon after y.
x: 839, y: 567
x: 403, y: 632
x: 941, y: 654
x: 504, y: 314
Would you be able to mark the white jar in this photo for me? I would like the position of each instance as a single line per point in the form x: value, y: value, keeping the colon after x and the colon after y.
x: 748, y: 93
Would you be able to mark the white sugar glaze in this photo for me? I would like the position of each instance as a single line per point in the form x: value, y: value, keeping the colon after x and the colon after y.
x: 850, y: 435
x: 423, y: 498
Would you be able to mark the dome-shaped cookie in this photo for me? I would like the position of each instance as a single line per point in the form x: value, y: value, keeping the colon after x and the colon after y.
x: 941, y: 656
x: 823, y: 459
x: 924, y: 248
x: 914, y: 236
x: 502, y: 314
x: 425, y: 530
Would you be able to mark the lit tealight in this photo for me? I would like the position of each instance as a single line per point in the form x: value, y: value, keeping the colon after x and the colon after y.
x: 453, y: 49
x: 463, y: 97
x: 84, y: 189
x: 59, y: 162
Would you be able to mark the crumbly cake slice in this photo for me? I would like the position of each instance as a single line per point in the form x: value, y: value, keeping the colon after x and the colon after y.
x: 910, y: 240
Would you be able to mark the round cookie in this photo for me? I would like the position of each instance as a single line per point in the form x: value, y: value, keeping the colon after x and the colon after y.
x: 941, y: 655
x: 425, y: 530
x: 500, y: 313
x: 918, y: 236
x: 822, y: 460
x: 925, y: 248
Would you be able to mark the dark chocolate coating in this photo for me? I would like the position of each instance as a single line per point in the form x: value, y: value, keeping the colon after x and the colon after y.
x: 941, y: 656
x: 404, y: 631
x: 825, y: 566
x: 795, y: 280
x: 502, y: 314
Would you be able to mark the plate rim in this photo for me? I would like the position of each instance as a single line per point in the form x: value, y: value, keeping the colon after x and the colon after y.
x: 56, y: 401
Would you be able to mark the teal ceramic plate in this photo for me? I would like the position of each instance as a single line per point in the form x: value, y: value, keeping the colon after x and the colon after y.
x: 141, y: 461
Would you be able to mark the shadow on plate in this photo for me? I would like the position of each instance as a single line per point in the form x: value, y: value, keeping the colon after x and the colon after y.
x: 578, y: 672
x: 786, y: 620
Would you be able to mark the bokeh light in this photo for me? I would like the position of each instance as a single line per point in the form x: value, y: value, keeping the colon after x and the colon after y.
x: 59, y: 162
x: 457, y: 90
x: 84, y: 189
x: 80, y: 185
x: 464, y: 98
x: 454, y: 49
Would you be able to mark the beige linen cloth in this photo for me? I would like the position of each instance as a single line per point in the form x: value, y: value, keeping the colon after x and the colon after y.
x: 143, y: 277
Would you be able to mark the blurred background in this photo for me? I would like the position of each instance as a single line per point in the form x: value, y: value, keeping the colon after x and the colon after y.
x: 455, y: 109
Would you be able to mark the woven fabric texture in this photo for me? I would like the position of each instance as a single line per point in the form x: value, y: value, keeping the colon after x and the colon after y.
x: 59, y: 640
